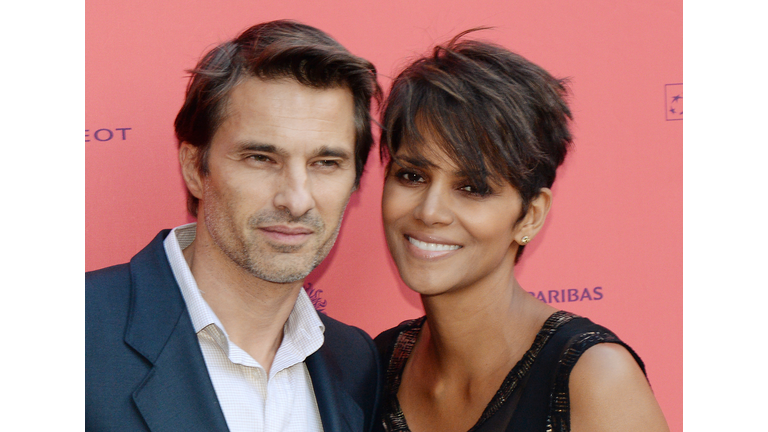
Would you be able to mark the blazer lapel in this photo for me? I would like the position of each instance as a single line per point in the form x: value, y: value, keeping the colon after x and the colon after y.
x: 338, y: 411
x: 177, y: 393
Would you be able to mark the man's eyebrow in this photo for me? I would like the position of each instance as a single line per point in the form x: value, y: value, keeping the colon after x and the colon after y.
x: 254, y: 146
x: 336, y: 152
x: 324, y: 151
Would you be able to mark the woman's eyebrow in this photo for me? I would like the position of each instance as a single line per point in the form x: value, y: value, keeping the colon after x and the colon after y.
x: 416, y: 161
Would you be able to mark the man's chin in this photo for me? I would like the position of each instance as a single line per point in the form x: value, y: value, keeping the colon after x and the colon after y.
x: 283, y: 278
x: 283, y: 272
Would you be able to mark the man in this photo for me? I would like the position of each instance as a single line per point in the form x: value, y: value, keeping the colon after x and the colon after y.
x: 208, y: 328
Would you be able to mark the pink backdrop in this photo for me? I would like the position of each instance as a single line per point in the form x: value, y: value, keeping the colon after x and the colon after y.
x: 612, y: 247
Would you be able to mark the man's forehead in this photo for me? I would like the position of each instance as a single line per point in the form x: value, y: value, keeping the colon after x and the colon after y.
x: 276, y: 112
x: 285, y: 90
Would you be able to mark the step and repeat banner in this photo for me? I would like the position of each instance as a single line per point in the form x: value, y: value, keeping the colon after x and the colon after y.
x: 612, y: 246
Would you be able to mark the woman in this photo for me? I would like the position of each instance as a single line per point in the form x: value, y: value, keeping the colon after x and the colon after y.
x: 473, y: 135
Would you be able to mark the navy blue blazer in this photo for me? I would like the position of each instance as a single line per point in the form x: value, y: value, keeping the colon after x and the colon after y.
x: 144, y: 370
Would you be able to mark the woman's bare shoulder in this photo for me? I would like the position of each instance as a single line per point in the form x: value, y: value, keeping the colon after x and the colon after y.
x: 608, y: 392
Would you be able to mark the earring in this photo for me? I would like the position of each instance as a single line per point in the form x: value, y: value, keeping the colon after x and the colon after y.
x: 525, y: 240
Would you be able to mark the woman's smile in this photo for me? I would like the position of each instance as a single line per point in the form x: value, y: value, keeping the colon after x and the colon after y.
x: 434, y: 247
x: 429, y: 249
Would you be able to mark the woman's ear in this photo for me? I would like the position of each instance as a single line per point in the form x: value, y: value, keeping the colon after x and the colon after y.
x: 190, y: 172
x: 531, y: 224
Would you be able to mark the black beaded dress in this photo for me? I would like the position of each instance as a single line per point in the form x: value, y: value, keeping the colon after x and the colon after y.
x: 533, y: 396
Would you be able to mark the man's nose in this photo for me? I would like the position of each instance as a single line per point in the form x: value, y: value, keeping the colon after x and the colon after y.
x: 294, y: 193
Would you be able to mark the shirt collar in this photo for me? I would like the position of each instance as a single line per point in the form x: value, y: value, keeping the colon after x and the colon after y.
x: 202, y: 315
x: 302, y: 333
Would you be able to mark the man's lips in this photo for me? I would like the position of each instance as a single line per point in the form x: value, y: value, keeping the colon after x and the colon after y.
x: 286, y: 234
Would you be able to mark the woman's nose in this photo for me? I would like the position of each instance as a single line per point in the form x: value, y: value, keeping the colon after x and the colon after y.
x: 434, y: 208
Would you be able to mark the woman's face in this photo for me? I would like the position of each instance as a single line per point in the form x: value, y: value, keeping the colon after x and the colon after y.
x: 442, y: 232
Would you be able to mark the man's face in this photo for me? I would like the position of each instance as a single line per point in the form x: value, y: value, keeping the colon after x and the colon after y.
x: 281, y: 171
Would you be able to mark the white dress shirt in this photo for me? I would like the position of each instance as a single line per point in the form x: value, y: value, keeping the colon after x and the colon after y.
x: 251, y: 400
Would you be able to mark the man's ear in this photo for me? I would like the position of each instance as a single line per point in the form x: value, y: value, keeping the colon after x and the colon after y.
x: 188, y: 160
x: 531, y: 224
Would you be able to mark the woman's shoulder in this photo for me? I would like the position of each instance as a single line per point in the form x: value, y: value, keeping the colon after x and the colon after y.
x: 607, y: 385
x: 387, y: 339
x: 579, y: 335
x: 609, y: 391
x: 585, y: 348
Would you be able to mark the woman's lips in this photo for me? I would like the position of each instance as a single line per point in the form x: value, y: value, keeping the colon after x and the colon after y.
x: 433, y: 248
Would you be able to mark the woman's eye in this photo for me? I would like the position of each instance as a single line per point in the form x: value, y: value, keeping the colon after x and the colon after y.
x: 472, y: 190
x: 411, y: 177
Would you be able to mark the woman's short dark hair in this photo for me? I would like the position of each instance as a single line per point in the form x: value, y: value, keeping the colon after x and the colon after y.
x: 497, y: 115
x: 274, y: 50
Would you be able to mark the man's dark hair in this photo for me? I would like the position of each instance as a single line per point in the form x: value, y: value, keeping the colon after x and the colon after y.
x: 273, y: 50
x: 497, y: 115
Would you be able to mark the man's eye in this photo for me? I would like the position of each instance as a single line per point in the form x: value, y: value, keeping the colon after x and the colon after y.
x: 260, y: 158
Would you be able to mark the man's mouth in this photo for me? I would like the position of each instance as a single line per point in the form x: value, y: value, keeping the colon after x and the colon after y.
x: 281, y: 229
x: 286, y: 234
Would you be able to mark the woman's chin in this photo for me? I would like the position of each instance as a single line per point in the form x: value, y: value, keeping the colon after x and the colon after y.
x: 427, y: 287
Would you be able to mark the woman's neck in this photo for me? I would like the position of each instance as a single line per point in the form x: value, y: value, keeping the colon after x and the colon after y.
x: 472, y: 338
x: 480, y: 329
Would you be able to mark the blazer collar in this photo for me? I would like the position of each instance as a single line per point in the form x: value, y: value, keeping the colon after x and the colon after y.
x: 338, y: 410
x: 156, y: 302
x: 177, y: 393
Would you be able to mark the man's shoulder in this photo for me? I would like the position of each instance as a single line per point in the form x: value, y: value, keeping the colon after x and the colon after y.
x: 347, y: 344
x: 121, y: 273
x: 110, y: 287
x: 108, y: 275
x: 107, y: 286
x: 336, y: 330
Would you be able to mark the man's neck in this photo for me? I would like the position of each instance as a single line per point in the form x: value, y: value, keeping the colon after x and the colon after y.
x: 253, y: 311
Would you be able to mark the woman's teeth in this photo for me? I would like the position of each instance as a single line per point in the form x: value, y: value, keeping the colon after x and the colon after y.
x: 432, y: 247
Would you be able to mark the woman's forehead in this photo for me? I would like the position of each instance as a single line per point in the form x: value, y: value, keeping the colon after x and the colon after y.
x: 425, y: 154
x: 427, y: 144
x: 434, y: 158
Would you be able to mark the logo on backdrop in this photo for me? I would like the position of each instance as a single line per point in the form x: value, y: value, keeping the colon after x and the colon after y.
x: 550, y: 296
x: 314, y: 295
x: 673, y: 94
x: 104, y: 134
x: 569, y: 295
